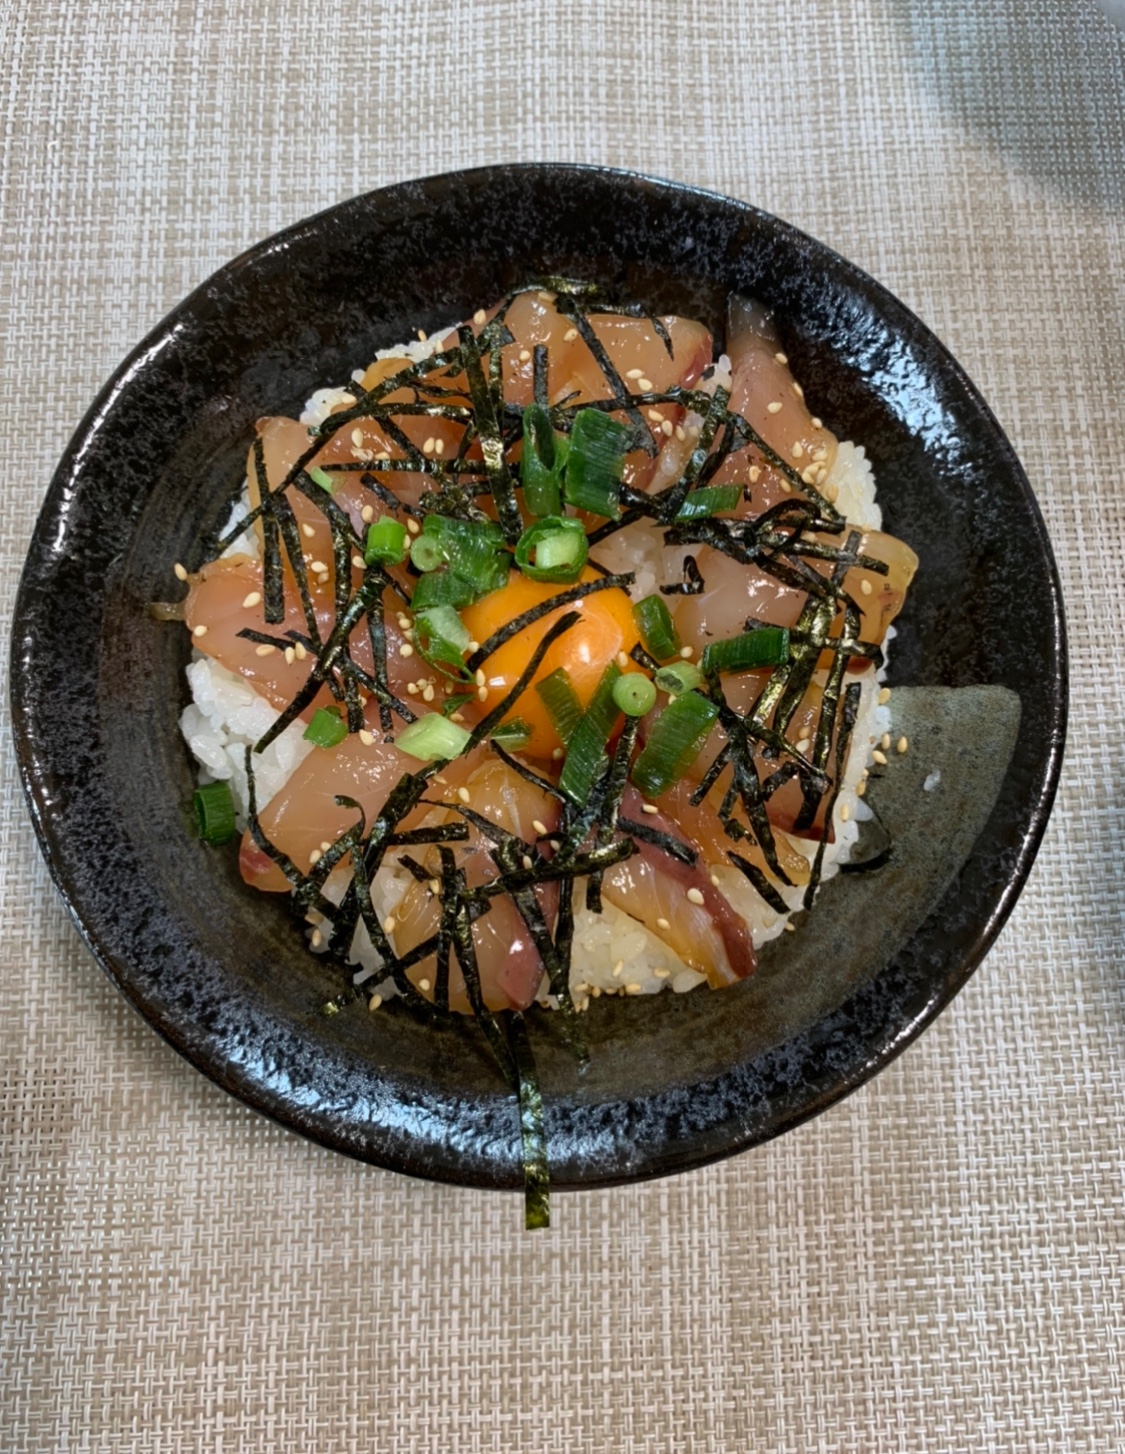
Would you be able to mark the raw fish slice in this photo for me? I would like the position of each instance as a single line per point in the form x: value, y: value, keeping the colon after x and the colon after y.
x: 509, y: 964
x: 217, y: 601
x: 654, y: 888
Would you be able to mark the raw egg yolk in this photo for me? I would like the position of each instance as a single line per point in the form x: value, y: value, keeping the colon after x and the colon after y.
x: 605, y: 627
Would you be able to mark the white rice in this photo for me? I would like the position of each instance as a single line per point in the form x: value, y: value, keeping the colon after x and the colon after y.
x: 613, y: 952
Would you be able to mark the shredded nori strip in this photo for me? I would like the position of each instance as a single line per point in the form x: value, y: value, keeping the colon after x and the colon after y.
x: 533, y: 1133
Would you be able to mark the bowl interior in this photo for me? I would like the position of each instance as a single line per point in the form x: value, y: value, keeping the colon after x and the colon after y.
x: 224, y: 974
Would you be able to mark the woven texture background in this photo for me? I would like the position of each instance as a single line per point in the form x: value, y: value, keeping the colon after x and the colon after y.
x: 935, y: 1264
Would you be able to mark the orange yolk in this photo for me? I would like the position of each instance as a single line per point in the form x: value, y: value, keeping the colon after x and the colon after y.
x: 605, y: 627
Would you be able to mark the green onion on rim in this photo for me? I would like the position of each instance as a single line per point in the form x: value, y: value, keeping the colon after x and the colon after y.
x: 213, y: 806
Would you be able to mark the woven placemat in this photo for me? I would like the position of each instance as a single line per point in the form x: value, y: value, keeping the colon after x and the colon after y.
x: 935, y: 1264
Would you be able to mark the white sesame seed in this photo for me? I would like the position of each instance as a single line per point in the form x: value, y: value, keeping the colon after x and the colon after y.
x: 406, y: 649
x: 367, y: 738
x: 412, y: 688
x: 357, y: 437
x: 865, y: 587
x: 264, y: 650
x: 314, y: 856
x: 782, y: 358
x: 413, y: 526
x: 819, y: 453
x: 439, y: 446
x: 300, y: 651
x: 901, y: 745
x: 845, y: 812
x: 633, y: 374
x: 644, y: 385
x: 540, y: 828
x: 316, y: 938
x: 434, y: 886
x: 695, y: 896
x: 618, y: 967
x: 661, y: 973
x: 325, y: 846
x: 427, y: 693
x: 680, y: 433
x: 715, y: 879
x: 755, y: 474
x: 809, y: 474
x: 558, y: 754
x: 199, y: 631
x: 656, y: 416
x: 389, y: 923
x: 774, y: 408
x: 570, y: 335
x: 879, y: 757
x: 816, y: 423
x: 528, y: 862
x: 456, y: 716
x: 480, y: 318
x: 179, y: 572
x: 803, y: 746
x: 666, y: 428
x: 374, y: 1002
x: 428, y: 447
x: 821, y: 474
x: 800, y: 393
x: 632, y: 989
x: 464, y: 795
x: 422, y: 339
x: 290, y: 655
x: 885, y: 741
x: 649, y: 808
x: 687, y: 651
x: 524, y: 355
x: 358, y: 561
x: 423, y: 985
x: 479, y: 677
x: 622, y: 660
x: 307, y: 531
x: 798, y: 450
x: 790, y: 928
x: 473, y: 646
x: 555, y: 844
x: 830, y: 493
x: 884, y: 696
x: 861, y: 788
x: 367, y: 514
x: 318, y: 566
x: 482, y: 694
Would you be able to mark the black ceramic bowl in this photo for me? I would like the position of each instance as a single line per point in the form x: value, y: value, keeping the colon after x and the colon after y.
x: 675, y: 1081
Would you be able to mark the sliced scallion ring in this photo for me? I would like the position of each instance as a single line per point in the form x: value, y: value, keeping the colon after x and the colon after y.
x: 553, y: 549
x: 327, y: 728
x: 634, y: 694
x: 213, y: 805
x: 433, y: 738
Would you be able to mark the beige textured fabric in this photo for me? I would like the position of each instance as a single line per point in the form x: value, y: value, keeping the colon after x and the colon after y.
x: 936, y: 1264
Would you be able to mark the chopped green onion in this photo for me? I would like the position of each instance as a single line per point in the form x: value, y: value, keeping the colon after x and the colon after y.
x: 541, y: 463
x: 561, y: 702
x: 586, y: 758
x: 472, y: 548
x: 512, y: 734
x: 456, y: 702
x: 595, y: 462
x: 710, y: 500
x: 327, y: 727
x: 767, y: 646
x: 432, y: 737
x: 681, y: 676
x: 674, y: 743
x: 214, y: 812
x: 442, y: 587
x: 441, y: 639
x: 386, y: 542
x: 658, y: 630
x: 634, y: 694
x: 553, y: 549
x: 321, y: 478
x: 426, y: 553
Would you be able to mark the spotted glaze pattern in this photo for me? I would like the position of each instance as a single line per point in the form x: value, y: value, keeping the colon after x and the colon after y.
x: 97, y: 684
